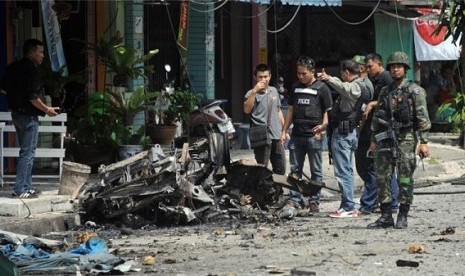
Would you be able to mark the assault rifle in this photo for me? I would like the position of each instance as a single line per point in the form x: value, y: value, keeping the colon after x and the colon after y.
x: 391, y: 134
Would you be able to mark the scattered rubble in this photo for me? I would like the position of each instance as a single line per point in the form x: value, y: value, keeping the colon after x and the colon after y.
x: 407, y: 263
x: 416, y: 248
x: 32, y: 255
x: 187, y: 185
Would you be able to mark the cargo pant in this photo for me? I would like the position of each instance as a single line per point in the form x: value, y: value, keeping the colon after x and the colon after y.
x: 406, y: 164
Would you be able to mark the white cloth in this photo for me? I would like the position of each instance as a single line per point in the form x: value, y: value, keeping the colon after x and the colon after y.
x: 429, y: 47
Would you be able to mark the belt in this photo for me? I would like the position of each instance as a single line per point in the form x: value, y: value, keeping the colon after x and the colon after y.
x: 23, y: 113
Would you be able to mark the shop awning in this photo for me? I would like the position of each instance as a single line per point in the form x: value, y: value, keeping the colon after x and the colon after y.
x: 298, y: 2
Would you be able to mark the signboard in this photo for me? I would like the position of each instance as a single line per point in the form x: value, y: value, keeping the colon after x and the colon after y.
x: 183, y: 26
x: 429, y: 46
x: 53, y: 37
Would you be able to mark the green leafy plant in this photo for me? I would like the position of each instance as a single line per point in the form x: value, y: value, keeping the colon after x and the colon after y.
x: 127, y: 64
x: 452, y: 16
x: 125, y: 107
x: 128, y: 135
x: 123, y: 110
x: 179, y: 106
x: 92, y: 123
x: 123, y: 61
x: 457, y: 104
x: 55, y: 82
x: 92, y: 131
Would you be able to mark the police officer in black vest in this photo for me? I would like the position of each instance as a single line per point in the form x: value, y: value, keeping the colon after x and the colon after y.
x: 309, y: 101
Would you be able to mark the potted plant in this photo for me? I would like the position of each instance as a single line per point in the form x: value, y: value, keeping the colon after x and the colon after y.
x: 55, y: 83
x: 124, y: 62
x: 91, y: 128
x: 123, y: 108
x: 170, y: 108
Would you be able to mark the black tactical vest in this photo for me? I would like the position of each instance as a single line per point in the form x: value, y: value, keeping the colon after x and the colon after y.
x: 307, y: 105
x: 400, y: 107
x: 355, y: 115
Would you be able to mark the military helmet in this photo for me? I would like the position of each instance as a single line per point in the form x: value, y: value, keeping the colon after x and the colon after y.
x: 359, y: 59
x: 398, y: 58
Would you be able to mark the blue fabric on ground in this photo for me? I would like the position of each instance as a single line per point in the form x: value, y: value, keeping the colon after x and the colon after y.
x: 93, y: 246
x: 23, y: 252
x: 94, y: 253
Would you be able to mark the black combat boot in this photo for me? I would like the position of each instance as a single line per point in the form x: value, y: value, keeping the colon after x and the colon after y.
x: 385, y: 220
x: 402, y: 216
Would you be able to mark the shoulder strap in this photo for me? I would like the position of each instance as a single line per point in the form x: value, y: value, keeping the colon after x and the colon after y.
x: 269, y: 108
x: 364, y: 96
x: 318, y: 84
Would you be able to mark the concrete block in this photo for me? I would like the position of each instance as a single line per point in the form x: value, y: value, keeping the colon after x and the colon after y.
x: 47, y: 202
x: 62, y: 205
x: 39, y: 224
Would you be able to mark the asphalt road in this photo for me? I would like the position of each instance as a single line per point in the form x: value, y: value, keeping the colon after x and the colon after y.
x: 320, y: 244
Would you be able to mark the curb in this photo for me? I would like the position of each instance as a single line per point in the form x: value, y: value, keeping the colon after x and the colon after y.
x: 39, y: 224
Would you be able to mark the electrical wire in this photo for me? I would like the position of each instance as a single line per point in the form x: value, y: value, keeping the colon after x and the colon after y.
x: 211, y: 10
x: 398, y: 27
x: 353, y: 23
x: 265, y: 11
x: 29, y: 213
x: 255, y: 15
x: 205, y: 2
x: 398, y: 16
x: 287, y: 24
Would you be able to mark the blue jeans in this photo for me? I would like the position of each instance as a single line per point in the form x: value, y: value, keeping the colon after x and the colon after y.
x: 366, y: 170
x: 27, y: 131
x: 298, y: 148
x: 342, y: 149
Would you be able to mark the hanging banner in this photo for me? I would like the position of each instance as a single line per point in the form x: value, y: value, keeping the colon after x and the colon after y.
x: 183, y: 41
x: 183, y: 25
x: 432, y: 47
x: 53, y: 37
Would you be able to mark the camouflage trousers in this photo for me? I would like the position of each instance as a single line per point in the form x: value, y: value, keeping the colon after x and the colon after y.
x: 385, y: 164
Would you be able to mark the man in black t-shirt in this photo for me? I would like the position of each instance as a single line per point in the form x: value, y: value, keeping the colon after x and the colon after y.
x: 23, y: 83
x: 365, y: 165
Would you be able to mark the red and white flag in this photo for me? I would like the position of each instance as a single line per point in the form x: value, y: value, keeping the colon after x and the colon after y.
x: 433, y: 47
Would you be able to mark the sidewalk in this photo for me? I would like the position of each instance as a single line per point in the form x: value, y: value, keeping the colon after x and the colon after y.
x: 53, y: 212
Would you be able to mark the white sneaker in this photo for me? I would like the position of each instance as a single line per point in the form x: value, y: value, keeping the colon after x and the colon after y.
x: 341, y: 213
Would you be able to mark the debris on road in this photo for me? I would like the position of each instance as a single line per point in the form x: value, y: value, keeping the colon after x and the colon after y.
x: 448, y: 231
x: 168, y: 188
x: 416, y: 248
x: 407, y: 263
x: 32, y: 255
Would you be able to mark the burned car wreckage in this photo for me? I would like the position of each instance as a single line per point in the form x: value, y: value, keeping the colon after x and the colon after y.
x: 193, y: 182
x: 184, y: 186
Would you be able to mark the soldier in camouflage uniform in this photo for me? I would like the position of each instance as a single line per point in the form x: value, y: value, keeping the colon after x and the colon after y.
x: 400, y: 121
